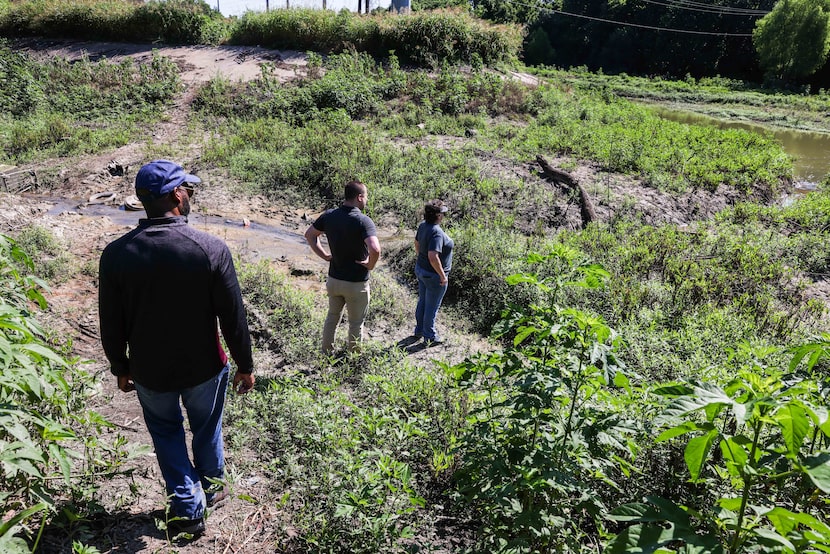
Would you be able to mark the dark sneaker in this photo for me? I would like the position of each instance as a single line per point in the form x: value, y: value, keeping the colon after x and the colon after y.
x: 194, y: 527
x: 409, y: 341
x: 437, y: 341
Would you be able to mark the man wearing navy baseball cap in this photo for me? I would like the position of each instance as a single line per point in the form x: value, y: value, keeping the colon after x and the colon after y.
x: 165, y: 290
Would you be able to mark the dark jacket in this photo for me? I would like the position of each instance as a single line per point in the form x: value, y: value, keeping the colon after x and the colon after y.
x: 162, y: 288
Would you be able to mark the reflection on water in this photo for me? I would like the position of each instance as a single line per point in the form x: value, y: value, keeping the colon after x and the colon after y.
x: 810, y: 151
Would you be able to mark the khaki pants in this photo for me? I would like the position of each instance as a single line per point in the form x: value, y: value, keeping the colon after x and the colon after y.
x: 355, y: 297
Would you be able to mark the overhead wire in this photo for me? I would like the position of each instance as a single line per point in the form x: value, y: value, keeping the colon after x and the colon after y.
x: 639, y: 26
x: 627, y: 24
x: 677, y: 5
x: 715, y: 7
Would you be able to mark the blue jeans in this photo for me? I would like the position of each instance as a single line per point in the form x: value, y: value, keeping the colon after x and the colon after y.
x: 186, y: 482
x: 430, y: 294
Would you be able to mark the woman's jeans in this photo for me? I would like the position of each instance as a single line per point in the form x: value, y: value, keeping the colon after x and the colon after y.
x: 186, y: 482
x: 430, y: 294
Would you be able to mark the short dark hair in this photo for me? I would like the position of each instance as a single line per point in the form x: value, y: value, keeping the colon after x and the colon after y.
x: 353, y: 190
x: 432, y: 210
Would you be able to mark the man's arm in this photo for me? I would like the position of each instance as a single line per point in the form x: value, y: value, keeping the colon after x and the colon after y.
x: 312, y: 237
x: 112, y: 326
x: 373, y: 246
x: 227, y: 297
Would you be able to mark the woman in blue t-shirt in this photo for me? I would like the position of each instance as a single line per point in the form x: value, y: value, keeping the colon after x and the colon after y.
x: 432, y: 267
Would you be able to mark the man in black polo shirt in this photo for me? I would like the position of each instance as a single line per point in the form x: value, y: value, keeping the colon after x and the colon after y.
x: 162, y: 288
x: 355, y: 250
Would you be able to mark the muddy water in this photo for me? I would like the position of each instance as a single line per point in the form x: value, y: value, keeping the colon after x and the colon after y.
x: 810, y: 151
x: 254, y: 241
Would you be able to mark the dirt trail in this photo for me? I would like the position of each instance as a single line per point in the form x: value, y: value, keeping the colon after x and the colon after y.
x: 238, y: 526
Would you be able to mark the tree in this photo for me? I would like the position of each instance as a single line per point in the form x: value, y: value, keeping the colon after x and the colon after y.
x: 793, y: 40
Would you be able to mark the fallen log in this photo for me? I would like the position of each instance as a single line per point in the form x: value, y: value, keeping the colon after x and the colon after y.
x: 586, y: 207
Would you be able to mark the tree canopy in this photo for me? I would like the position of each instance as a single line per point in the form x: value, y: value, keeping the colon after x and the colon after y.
x: 793, y: 40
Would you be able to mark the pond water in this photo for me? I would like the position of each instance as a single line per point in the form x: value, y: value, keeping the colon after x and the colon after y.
x: 810, y: 151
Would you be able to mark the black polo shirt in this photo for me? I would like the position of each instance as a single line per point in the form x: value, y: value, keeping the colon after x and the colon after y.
x: 346, y: 229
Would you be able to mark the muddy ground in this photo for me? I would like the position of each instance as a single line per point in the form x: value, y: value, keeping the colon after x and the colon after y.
x: 274, y: 233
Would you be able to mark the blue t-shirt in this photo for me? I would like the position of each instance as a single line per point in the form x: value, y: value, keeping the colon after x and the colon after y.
x: 346, y: 229
x: 431, y: 236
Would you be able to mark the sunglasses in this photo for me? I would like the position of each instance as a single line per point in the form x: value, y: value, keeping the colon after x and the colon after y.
x: 190, y: 190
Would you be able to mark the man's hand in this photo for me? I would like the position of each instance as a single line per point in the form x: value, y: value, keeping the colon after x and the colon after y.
x: 243, y: 382
x: 126, y: 383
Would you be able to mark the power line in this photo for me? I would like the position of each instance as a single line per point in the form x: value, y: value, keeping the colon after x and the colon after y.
x: 650, y: 27
x: 714, y: 7
x: 673, y: 5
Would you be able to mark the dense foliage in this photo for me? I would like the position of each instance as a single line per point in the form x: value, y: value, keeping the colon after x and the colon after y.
x: 50, y: 458
x: 425, y: 38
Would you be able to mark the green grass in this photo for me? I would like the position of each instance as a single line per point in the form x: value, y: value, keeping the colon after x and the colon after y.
x: 714, y: 96
x: 59, y: 108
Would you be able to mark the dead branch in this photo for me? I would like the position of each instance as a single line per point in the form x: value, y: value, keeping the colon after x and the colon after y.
x: 586, y: 207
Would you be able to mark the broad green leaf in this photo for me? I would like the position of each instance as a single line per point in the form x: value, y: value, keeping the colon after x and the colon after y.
x: 731, y: 504
x: 517, y: 278
x: 818, y: 469
x: 705, y: 395
x: 786, y: 521
x: 9, y: 544
x: 646, y: 539
x: 735, y: 455
x: 8, y: 525
x: 677, y: 430
x: 772, y: 536
x: 794, y: 424
x: 343, y: 510
x: 42, y: 352
x: 58, y: 454
x: 696, y: 452
x: 523, y: 333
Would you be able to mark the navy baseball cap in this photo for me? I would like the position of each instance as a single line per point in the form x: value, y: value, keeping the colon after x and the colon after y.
x: 159, y: 177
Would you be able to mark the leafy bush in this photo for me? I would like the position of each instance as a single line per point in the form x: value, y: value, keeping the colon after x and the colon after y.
x: 50, y: 458
x: 174, y: 21
x: 759, y: 444
x: 545, y: 442
x: 422, y: 38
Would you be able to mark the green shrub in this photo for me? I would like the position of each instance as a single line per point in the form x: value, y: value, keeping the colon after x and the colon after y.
x: 59, y: 108
x: 174, y: 21
x: 50, y: 456
x: 422, y: 38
